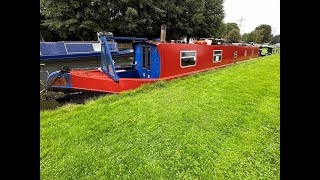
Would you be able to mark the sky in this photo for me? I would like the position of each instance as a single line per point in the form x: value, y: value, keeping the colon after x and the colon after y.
x: 254, y: 13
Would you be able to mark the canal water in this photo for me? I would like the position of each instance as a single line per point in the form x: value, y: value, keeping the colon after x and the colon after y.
x: 74, y: 64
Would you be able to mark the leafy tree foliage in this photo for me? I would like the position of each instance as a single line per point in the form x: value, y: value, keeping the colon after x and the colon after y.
x: 221, y: 31
x: 140, y: 18
x: 255, y: 36
x: 261, y: 34
x: 75, y: 18
x: 228, y: 27
x: 245, y: 37
x: 251, y: 37
x: 231, y: 26
x: 46, y: 34
x: 265, y: 33
x: 276, y: 39
x: 234, y: 36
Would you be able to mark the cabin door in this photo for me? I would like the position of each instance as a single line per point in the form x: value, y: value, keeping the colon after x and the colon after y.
x: 146, y: 58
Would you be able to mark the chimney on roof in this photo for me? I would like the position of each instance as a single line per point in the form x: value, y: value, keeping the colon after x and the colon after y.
x: 163, y: 32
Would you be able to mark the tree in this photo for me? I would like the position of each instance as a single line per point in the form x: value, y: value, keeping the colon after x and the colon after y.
x: 231, y: 26
x: 140, y: 18
x: 251, y: 37
x: 190, y: 18
x: 228, y: 27
x: 233, y: 36
x: 276, y: 39
x: 266, y: 32
x: 213, y: 19
x: 245, y: 37
x: 220, y: 32
x: 46, y: 34
x: 259, y: 35
x: 76, y: 18
x: 255, y: 36
x: 193, y: 18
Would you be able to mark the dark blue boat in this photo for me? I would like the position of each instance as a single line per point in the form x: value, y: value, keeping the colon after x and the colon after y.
x: 50, y: 51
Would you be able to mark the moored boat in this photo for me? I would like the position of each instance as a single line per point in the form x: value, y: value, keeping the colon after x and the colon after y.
x: 153, y: 61
x: 81, y: 50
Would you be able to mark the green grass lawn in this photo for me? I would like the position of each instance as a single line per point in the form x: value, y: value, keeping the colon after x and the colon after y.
x: 221, y: 124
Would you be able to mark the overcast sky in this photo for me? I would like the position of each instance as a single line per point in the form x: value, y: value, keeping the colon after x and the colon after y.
x: 254, y: 13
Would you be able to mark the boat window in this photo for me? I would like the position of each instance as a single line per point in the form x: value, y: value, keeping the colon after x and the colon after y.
x: 235, y: 54
x: 148, y: 58
x: 217, y: 55
x: 146, y: 53
x: 188, y: 58
x: 143, y: 57
x: 245, y: 53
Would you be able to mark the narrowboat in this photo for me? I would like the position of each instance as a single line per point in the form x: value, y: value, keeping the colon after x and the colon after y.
x: 153, y: 61
x: 269, y: 49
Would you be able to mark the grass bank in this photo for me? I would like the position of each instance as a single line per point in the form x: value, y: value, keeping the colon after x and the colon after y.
x: 222, y: 124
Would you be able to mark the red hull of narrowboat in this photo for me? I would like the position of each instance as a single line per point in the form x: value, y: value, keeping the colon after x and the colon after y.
x: 165, y: 64
x: 95, y: 80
